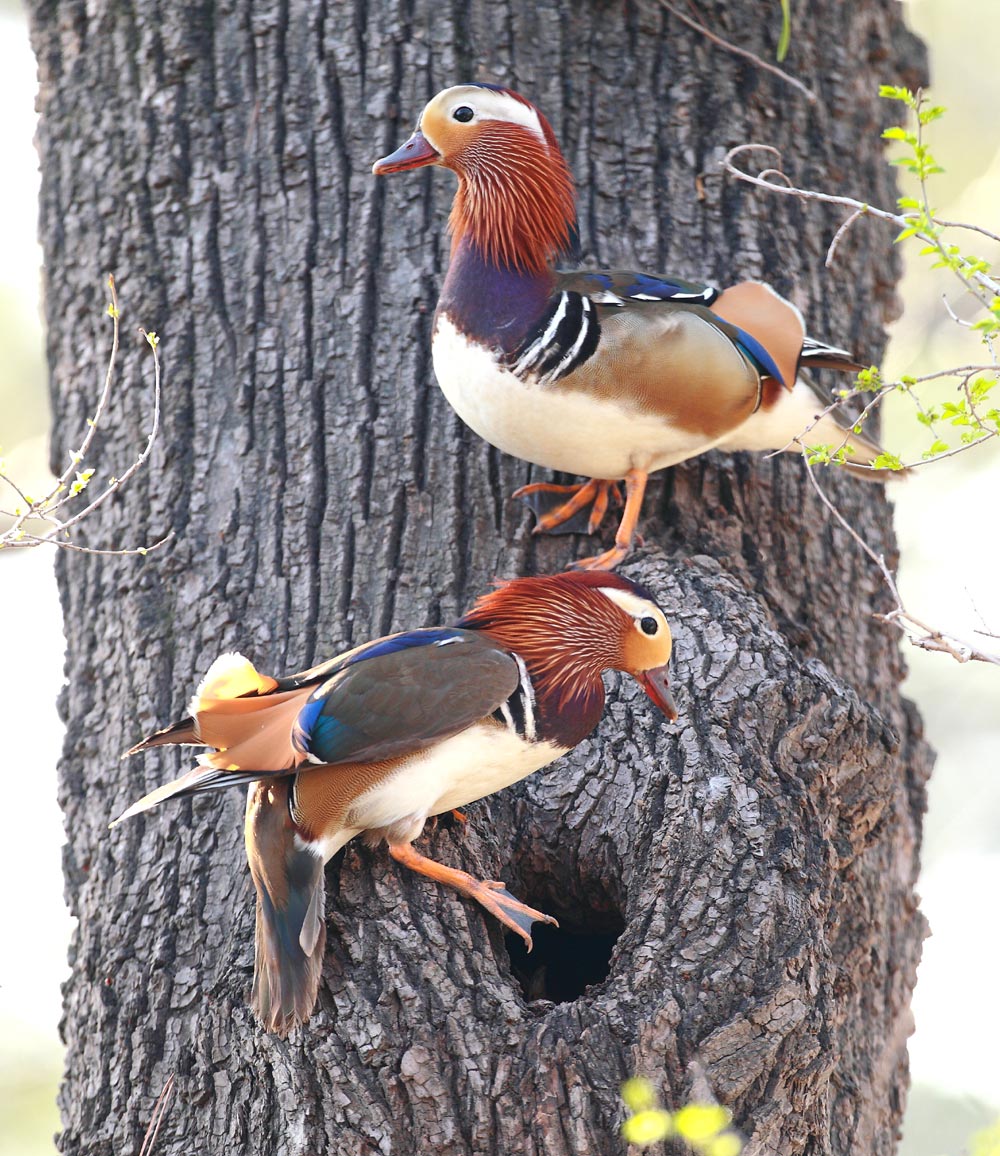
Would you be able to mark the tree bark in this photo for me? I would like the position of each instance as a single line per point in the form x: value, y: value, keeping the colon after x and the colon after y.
x: 756, y: 861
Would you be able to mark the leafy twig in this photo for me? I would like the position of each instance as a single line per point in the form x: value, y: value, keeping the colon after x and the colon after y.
x: 916, y: 219
x: 67, y: 487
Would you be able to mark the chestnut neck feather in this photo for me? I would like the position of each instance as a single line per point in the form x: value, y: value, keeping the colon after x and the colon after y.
x: 566, y: 636
x: 515, y: 197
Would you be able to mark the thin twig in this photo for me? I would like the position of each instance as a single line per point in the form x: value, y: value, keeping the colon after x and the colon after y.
x: 65, y: 490
x: 116, y: 483
x: 156, y: 1119
x: 841, y: 233
x: 134, y: 551
x: 919, y: 633
x: 901, y: 220
x: 716, y: 39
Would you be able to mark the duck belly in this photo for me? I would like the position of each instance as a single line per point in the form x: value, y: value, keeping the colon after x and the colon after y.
x: 479, y: 761
x: 575, y: 431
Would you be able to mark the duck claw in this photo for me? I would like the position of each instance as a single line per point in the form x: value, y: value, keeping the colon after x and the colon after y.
x: 580, y: 511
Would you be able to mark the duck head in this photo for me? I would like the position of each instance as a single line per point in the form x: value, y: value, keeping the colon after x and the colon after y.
x: 569, y: 628
x: 515, y: 195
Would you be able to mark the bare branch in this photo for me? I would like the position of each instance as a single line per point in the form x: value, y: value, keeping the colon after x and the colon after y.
x: 918, y: 632
x: 790, y: 189
x: 736, y: 51
x: 840, y: 233
x: 158, y: 1116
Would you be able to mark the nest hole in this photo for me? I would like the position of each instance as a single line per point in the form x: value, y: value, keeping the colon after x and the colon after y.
x: 564, y: 962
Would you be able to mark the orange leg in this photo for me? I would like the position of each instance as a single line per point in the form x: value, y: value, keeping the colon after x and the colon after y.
x: 597, y: 493
x: 456, y: 814
x: 635, y: 488
x: 493, y: 896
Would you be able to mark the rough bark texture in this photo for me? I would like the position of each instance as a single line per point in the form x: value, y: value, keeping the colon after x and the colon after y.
x: 758, y: 858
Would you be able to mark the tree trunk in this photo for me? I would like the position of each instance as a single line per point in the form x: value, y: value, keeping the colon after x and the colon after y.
x: 750, y: 870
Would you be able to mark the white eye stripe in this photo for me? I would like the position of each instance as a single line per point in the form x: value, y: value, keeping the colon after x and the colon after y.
x: 489, y: 105
x: 632, y: 604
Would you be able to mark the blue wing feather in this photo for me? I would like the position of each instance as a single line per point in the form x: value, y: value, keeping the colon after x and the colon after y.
x: 664, y: 289
x: 758, y: 355
x: 405, y: 641
x: 320, y: 732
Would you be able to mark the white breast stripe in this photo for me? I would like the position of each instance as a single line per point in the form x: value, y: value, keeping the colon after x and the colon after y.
x: 540, y: 345
x: 528, y: 700
x: 581, y: 337
x: 508, y: 718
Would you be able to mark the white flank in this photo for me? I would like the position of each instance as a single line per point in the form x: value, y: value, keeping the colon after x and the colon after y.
x: 773, y: 429
x: 553, y: 425
x: 477, y: 762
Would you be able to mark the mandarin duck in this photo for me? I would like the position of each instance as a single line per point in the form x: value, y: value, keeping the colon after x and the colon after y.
x: 377, y: 740
x: 613, y: 374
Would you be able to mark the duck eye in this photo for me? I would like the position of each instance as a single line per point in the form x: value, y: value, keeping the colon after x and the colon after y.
x: 463, y: 114
x: 649, y: 625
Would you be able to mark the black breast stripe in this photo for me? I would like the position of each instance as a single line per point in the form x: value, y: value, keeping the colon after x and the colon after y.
x: 518, y: 712
x: 565, y: 337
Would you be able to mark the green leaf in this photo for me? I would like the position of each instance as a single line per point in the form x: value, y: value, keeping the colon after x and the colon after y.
x: 785, y: 39
x: 818, y: 455
x: 934, y: 112
x: 887, y: 461
x: 893, y: 92
x: 869, y: 379
x: 937, y: 447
